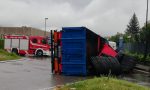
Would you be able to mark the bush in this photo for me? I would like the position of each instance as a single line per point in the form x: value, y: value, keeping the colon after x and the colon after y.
x: 138, y: 56
x: 1, y: 43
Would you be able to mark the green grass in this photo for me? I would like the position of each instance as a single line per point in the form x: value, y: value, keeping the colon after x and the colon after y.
x: 8, y: 56
x: 104, y: 83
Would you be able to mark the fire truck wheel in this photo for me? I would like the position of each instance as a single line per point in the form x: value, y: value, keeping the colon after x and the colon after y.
x: 39, y: 53
x: 14, y: 50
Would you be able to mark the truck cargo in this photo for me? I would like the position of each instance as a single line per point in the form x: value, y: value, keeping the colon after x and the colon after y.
x: 84, y: 52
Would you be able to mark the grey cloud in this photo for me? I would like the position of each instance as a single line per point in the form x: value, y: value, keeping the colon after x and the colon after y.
x: 105, y: 17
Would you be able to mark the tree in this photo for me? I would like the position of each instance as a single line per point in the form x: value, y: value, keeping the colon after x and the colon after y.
x: 126, y: 38
x: 145, y: 34
x: 133, y: 28
x: 145, y: 38
x: 114, y: 38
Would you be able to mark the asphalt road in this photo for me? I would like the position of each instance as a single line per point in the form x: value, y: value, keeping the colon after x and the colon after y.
x: 31, y: 74
x: 35, y: 74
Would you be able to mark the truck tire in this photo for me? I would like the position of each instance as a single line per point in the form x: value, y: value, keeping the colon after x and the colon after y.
x: 39, y: 53
x: 15, y: 50
x: 97, y: 66
x: 106, y: 64
x: 120, y: 56
x: 127, y: 63
x: 115, y: 69
x: 103, y: 65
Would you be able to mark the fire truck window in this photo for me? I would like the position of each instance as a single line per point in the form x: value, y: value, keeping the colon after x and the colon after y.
x: 34, y: 40
x: 44, y: 41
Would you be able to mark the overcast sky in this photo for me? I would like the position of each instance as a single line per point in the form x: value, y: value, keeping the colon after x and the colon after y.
x: 105, y: 17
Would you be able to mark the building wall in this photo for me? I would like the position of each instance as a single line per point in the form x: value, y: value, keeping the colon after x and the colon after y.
x: 21, y: 31
x: 36, y: 32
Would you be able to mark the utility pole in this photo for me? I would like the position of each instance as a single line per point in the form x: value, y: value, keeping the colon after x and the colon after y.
x: 146, y: 42
x: 45, y: 26
x: 146, y: 14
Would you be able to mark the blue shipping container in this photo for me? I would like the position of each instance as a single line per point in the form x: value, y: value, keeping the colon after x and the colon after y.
x: 79, y: 44
x: 74, y: 51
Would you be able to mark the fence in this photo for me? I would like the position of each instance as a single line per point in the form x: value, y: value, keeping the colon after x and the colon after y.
x: 135, y: 47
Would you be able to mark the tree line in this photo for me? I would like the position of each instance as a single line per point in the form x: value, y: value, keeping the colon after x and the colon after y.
x: 135, y: 34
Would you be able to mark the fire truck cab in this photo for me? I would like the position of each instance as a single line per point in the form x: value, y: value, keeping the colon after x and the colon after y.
x: 27, y: 45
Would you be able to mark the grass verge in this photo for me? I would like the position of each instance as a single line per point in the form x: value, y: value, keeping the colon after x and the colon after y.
x: 103, y: 83
x: 8, y: 56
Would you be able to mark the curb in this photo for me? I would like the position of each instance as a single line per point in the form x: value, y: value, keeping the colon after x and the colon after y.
x: 141, y: 71
x: 142, y: 68
x: 58, y: 86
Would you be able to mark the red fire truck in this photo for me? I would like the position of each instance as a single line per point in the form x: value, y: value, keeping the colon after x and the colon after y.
x: 27, y: 45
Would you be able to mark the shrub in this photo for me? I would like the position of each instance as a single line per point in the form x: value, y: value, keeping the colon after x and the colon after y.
x: 1, y: 43
x: 138, y: 56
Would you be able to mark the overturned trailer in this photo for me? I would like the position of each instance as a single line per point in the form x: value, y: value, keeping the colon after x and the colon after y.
x: 83, y: 52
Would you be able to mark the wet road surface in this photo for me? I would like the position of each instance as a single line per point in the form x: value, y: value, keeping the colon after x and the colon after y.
x: 30, y: 74
x: 137, y: 77
x: 35, y: 74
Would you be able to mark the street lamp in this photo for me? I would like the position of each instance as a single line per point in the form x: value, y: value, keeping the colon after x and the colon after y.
x: 146, y: 42
x: 45, y: 26
x: 146, y: 14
